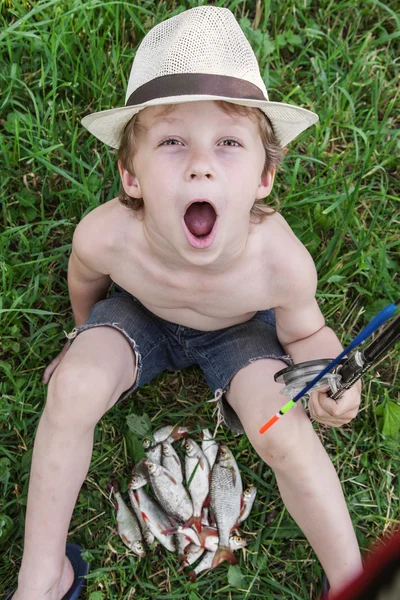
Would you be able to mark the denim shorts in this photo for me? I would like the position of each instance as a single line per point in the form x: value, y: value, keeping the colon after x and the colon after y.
x: 160, y: 345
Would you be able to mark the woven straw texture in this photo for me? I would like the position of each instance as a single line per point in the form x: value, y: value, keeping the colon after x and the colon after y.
x: 207, y: 40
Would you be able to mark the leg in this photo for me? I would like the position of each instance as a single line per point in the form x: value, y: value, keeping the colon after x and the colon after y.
x: 307, y: 480
x: 97, y: 369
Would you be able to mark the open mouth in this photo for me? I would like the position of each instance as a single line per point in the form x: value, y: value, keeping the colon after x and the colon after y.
x: 200, y: 219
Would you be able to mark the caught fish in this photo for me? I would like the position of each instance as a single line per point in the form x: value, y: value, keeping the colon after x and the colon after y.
x: 171, y: 494
x: 137, y: 481
x: 235, y: 542
x: 169, y: 433
x: 205, y: 521
x: 140, y: 468
x: 147, y: 535
x: 207, y: 538
x: 127, y: 524
x: 197, y: 473
x: 192, y: 553
x: 182, y: 542
x: 209, y: 447
x: 170, y: 461
x: 154, y: 454
x: 226, y: 499
x: 155, y: 518
x: 249, y: 495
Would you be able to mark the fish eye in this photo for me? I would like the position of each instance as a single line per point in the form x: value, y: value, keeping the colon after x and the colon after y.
x: 247, y: 491
x: 187, y: 446
x: 146, y: 443
x: 224, y: 452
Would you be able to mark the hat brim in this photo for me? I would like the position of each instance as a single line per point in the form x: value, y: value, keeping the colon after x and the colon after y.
x: 287, y: 120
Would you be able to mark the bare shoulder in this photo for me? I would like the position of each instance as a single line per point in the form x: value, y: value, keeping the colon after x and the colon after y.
x: 291, y: 264
x: 100, y: 234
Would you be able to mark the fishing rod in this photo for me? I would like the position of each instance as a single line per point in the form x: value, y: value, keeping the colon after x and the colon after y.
x: 338, y: 374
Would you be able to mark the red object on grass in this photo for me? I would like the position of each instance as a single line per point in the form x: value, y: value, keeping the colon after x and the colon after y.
x: 381, y: 575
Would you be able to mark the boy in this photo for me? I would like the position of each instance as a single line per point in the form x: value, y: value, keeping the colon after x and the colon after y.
x: 203, y: 277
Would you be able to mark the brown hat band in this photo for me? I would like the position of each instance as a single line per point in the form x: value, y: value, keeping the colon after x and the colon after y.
x: 195, y: 84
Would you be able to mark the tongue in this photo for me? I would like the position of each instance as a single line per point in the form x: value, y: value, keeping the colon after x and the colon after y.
x: 200, y: 218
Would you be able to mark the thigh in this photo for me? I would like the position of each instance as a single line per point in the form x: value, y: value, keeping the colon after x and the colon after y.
x: 98, y: 367
x: 255, y: 397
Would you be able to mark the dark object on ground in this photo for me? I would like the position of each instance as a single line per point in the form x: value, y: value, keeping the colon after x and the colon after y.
x: 81, y: 568
x: 381, y: 576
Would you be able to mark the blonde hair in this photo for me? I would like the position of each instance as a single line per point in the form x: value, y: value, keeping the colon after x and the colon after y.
x: 273, y: 151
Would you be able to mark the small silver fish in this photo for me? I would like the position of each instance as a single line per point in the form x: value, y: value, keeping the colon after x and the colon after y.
x: 171, y: 494
x: 127, y: 524
x: 197, y: 473
x: 170, y: 461
x: 249, y: 495
x: 154, y: 454
x: 155, y: 518
x: 182, y: 542
x: 207, y: 538
x: 138, y: 480
x: 226, y: 499
x: 235, y: 542
x: 147, y: 535
x: 209, y: 446
x: 192, y: 553
x: 169, y: 433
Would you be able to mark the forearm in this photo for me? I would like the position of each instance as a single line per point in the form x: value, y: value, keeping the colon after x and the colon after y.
x: 322, y: 344
x: 84, y: 295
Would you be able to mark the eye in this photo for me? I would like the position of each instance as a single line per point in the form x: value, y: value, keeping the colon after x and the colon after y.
x: 170, y: 142
x: 231, y: 143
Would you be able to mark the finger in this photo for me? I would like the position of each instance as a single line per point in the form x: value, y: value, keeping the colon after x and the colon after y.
x: 345, y: 405
x: 320, y: 415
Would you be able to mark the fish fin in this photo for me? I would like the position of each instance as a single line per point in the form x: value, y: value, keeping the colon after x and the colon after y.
x: 170, y: 531
x: 170, y: 477
x: 195, y: 522
x: 233, y: 476
x: 125, y: 540
x: 145, y: 517
x: 192, y: 576
x: 223, y: 554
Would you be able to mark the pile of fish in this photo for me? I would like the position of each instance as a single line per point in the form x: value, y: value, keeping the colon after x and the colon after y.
x: 194, y: 511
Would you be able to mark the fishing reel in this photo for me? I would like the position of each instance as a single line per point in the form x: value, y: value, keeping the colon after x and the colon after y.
x: 344, y: 375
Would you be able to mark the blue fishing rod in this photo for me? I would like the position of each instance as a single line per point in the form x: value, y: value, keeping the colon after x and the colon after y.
x: 340, y: 375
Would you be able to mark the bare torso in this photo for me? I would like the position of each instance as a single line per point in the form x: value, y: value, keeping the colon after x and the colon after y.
x: 199, y: 298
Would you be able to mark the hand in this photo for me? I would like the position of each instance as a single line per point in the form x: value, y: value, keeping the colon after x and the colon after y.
x: 325, y: 410
x: 54, y: 363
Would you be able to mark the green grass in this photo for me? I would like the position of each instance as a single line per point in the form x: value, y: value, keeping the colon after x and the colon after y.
x: 338, y: 190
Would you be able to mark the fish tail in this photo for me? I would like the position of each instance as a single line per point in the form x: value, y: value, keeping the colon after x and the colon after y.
x: 195, y: 522
x: 223, y: 554
x: 170, y: 531
x: 192, y: 576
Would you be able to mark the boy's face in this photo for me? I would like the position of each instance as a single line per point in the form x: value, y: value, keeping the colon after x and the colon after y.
x: 198, y: 170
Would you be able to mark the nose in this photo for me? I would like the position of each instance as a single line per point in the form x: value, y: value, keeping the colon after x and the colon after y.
x: 199, y: 165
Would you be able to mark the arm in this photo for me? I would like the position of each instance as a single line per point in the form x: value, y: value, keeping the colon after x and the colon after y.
x: 303, y: 334
x: 87, y: 280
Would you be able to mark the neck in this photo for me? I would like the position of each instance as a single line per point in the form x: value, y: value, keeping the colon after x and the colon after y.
x: 168, y: 256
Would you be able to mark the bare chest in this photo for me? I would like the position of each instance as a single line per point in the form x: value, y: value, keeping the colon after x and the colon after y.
x: 201, y: 300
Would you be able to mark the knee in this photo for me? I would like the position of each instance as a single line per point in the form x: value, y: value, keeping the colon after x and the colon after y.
x: 282, y: 445
x: 78, y: 395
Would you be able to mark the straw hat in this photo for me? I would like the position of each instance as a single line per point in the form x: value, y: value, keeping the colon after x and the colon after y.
x: 200, y: 54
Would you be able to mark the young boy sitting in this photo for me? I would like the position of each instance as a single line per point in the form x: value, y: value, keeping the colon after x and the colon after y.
x: 205, y: 274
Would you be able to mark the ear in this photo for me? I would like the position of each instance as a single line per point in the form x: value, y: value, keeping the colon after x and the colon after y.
x: 266, y: 183
x: 130, y: 182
